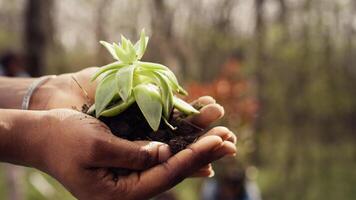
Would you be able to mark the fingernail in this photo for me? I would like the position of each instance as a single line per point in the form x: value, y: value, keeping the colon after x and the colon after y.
x: 164, y: 153
x: 212, y: 173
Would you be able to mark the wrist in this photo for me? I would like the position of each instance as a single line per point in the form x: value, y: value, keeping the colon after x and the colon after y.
x: 22, y: 137
x: 12, y: 99
x: 40, y: 99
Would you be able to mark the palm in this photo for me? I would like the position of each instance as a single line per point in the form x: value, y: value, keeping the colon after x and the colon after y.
x: 71, y: 90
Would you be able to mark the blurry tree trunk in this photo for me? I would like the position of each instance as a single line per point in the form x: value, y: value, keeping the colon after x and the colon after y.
x: 161, y: 28
x: 169, y: 48
x: 38, y: 33
x: 100, y: 28
x: 350, y: 53
x: 211, y: 58
x: 259, y: 70
x: 283, y: 20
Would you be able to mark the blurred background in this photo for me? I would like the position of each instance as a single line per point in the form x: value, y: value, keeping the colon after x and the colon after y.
x: 283, y: 69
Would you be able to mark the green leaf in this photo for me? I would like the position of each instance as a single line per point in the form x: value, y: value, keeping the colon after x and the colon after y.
x: 124, y: 80
x: 174, y: 82
x: 131, y: 51
x: 118, y: 108
x: 121, y: 53
x: 124, y: 42
x: 149, y: 101
x: 105, y: 92
x: 110, y: 48
x: 184, y: 107
x: 140, y: 78
x: 141, y: 45
x: 166, y: 71
x: 103, y: 69
x: 166, y: 94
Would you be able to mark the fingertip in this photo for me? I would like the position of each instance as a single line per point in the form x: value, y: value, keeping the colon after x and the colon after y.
x: 207, y: 143
x: 227, y: 148
x: 206, y: 100
x: 162, y: 150
x: 203, y: 101
x: 208, y: 114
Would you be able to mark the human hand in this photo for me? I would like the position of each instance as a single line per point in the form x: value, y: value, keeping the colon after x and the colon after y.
x: 79, y: 151
x: 67, y: 91
x: 71, y: 90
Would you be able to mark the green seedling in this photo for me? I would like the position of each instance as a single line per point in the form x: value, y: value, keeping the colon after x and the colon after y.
x: 128, y: 80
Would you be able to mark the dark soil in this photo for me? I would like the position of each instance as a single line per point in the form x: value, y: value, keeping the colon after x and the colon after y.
x: 132, y: 125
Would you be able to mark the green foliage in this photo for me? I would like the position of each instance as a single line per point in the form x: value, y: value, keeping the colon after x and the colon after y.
x: 128, y: 80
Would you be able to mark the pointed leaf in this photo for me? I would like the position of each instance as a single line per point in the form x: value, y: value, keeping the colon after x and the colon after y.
x: 131, y: 51
x: 124, y: 80
x: 149, y: 101
x: 174, y: 82
x: 166, y: 94
x: 110, y: 48
x: 105, y: 92
x: 121, y: 53
x: 124, y: 42
x: 184, y: 107
x: 141, y: 45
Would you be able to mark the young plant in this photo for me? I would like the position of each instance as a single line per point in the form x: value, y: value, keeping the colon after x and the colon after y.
x: 127, y: 80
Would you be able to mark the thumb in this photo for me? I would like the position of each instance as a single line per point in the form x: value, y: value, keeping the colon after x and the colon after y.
x: 183, y: 164
x: 115, y: 152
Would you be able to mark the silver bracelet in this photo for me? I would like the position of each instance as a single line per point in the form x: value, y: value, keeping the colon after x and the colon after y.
x: 34, y: 85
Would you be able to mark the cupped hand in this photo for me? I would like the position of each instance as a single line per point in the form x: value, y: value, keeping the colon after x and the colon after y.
x: 73, y: 90
x: 80, y: 151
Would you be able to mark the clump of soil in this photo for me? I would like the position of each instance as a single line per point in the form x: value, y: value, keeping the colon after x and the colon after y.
x: 132, y: 125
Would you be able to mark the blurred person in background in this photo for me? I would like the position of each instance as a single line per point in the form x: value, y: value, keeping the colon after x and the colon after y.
x: 12, y: 65
x: 234, y: 182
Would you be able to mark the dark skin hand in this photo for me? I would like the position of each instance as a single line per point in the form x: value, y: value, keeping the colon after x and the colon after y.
x: 75, y: 89
x: 78, y: 150
x: 85, y: 171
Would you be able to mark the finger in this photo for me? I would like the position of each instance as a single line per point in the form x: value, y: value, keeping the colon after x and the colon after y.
x: 120, y: 153
x: 203, y: 173
x: 183, y: 164
x: 204, y: 100
x: 222, y: 132
x: 163, y: 151
x: 206, y: 171
x: 208, y: 114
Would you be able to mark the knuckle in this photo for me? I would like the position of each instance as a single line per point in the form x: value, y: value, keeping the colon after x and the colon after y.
x: 95, y: 148
x: 180, y: 170
x: 199, y: 159
x: 174, y: 176
x: 123, y: 188
x: 144, y: 157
